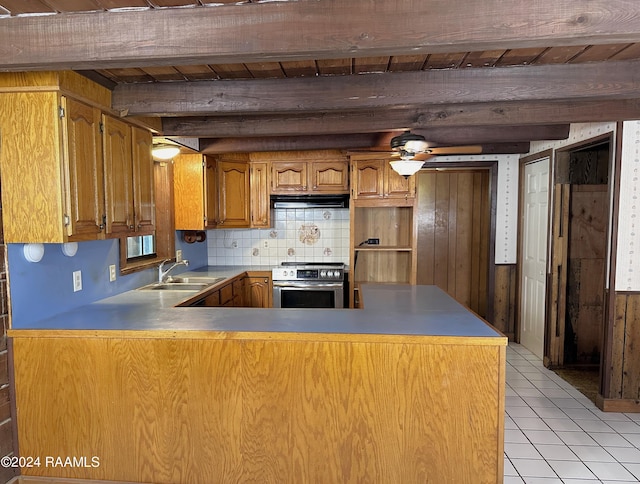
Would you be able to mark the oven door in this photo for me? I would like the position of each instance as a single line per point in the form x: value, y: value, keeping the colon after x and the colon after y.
x: 305, y: 294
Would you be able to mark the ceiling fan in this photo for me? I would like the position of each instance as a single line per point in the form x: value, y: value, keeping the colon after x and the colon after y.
x: 412, y: 149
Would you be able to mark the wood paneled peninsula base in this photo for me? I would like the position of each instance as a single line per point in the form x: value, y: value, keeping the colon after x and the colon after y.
x: 422, y: 401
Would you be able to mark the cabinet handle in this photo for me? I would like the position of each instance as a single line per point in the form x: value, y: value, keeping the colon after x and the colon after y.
x: 266, y: 281
x: 221, y: 222
x: 131, y: 227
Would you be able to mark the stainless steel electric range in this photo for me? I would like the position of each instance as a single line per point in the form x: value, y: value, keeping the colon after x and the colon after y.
x: 309, y: 285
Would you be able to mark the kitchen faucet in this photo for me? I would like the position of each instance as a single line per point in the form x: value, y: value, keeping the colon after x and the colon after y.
x: 162, y: 274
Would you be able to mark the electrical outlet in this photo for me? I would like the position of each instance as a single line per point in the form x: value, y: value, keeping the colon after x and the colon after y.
x: 373, y: 241
x: 112, y: 272
x: 178, y: 255
x: 266, y: 243
x: 77, y: 281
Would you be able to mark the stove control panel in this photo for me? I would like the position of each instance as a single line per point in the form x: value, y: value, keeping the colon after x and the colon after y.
x: 308, y: 274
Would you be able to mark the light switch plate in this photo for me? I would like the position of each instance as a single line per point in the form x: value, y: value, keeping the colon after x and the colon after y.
x: 178, y: 256
x: 112, y: 272
x: 77, y: 281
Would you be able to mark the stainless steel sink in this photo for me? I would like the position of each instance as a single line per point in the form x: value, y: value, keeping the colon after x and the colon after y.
x: 193, y: 280
x: 182, y: 284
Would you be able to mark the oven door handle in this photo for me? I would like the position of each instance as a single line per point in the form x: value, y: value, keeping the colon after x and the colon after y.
x: 307, y: 285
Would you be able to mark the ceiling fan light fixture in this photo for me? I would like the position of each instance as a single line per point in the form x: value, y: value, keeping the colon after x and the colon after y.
x: 164, y: 152
x: 406, y: 168
x: 411, y: 142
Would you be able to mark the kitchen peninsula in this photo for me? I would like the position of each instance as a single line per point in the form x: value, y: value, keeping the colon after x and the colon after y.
x: 408, y: 389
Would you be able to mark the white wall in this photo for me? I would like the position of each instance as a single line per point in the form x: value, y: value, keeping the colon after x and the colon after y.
x: 628, y: 254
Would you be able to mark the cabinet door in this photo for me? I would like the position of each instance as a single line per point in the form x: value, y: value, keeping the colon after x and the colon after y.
x: 85, y: 197
x: 397, y: 186
x: 368, y: 178
x: 233, y: 186
x: 118, y: 172
x: 259, y: 292
x: 143, y: 181
x: 329, y: 176
x: 188, y: 192
x: 238, y: 293
x: 259, y: 183
x: 288, y: 176
x: 210, y: 193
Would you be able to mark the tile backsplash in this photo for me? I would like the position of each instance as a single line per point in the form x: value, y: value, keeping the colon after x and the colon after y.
x: 296, y: 235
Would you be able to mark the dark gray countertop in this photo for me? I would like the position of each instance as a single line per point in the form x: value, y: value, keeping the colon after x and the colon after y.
x: 394, y: 309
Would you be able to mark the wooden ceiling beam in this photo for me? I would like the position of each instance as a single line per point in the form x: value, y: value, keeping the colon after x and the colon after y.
x: 445, y: 116
x: 288, y: 143
x: 611, y: 80
x: 302, y: 30
x: 342, y: 142
x: 468, y: 135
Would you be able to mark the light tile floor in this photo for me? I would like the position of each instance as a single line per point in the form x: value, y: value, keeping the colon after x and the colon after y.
x: 554, y: 434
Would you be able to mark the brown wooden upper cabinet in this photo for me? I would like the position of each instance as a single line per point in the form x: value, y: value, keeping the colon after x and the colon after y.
x: 195, y: 192
x: 59, y: 160
x: 259, y: 194
x: 143, y: 181
x: 212, y: 192
x: 83, y: 140
x: 128, y: 169
x: 233, y: 183
x: 309, y: 177
x: 374, y: 178
x: 243, y: 194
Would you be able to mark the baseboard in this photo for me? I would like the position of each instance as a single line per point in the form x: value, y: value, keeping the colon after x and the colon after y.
x: 617, y: 404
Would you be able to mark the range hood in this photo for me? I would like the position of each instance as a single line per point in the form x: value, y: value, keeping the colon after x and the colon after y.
x: 310, y: 201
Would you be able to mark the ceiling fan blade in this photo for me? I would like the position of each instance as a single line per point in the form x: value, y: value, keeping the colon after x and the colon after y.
x: 457, y: 150
x: 422, y: 156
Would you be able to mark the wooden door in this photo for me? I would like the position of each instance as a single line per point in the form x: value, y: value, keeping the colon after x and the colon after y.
x: 533, y: 258
x: 85, y: 169
x: 118, y: 170
x: 289, y: 176
x: 558, y: 275
x: 586, y: 269
x: 259, y: 184
x: 329, y: 176
x: 368, y: 179
x: 454, y: 218
x: 233, y: 183
x: 143, y: 181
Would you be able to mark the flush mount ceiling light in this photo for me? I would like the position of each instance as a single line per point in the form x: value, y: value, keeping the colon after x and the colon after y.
x: 164, y: 152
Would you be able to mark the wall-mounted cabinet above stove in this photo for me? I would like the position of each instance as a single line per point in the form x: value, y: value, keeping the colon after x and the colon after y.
x: 310, y: 177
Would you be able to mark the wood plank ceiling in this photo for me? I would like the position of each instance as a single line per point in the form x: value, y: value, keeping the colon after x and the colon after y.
x: 301, y: 74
